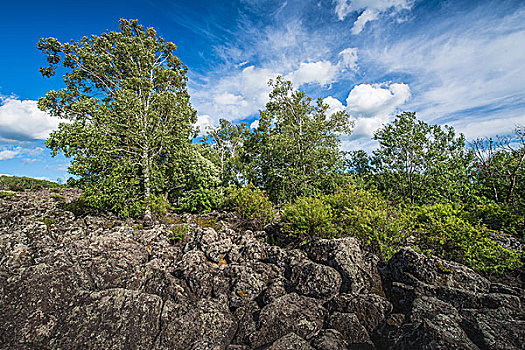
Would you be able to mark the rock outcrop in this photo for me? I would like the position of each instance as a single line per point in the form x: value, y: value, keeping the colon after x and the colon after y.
x: 72, y: 282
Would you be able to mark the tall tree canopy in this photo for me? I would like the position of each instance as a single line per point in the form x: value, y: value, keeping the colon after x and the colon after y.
x: 127, y: 112
x: 295, y: 149
x: 421, y: 162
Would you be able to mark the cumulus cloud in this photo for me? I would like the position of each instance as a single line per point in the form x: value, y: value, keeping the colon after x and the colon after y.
x: 321, y: 72
x: 370, y: 10
x: 370, y: 106
x: 334, y: 105
x: 370, y: 100
x: 23, y: 121
x: 254, y: 124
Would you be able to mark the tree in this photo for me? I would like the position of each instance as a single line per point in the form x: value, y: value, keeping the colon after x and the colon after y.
x: 228, y: 140
x: 129, y: 119
x: 295, y: 149
x: 500, y: 166
x: 420, y: 162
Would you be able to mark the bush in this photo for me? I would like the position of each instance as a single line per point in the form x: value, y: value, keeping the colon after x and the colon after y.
x: 309, y: 217
x: 15, y: 183
x: 251, y: 203
x: 443, y: 232
x: 200, y: 191
x: 497, y: 217
x: 366, y: 215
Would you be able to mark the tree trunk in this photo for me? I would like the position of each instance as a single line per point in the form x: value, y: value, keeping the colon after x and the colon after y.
x: 148, y: 218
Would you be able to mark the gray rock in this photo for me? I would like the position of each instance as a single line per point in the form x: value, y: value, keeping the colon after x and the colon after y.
x: 291, y: 341
x: 329, y: 339
x: 315, y: 280
x: 290, y: 313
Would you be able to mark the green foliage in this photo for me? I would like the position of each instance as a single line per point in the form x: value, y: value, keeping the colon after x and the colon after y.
x: 159, y: 205
x: 294, y: 150
x: 178, y: 232
x: 443, y: 232
x: 366, y: 215
x: 227, y: 143
x: 499, y: 168
x: 309, y: 217
x: 251, y: 203
x: 200, y: 189
x: 15, y: 183
x: 497, y: 217
x: 421, y: 163
x: 128, y: 114
x: 7, y: 194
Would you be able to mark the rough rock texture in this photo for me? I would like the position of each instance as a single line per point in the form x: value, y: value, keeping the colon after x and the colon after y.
x: 75, y: 282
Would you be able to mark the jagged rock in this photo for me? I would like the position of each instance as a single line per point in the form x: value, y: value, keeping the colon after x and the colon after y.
x: 355, y: 335
x: 370, y: 309
x: 290, y: 313
x: 315, y: 280
x: 449, y: 306
x: 358, y: 270
x: 329, y: 339
x: 291, y: 341
x: 76, y: 280
x: 93, y: 324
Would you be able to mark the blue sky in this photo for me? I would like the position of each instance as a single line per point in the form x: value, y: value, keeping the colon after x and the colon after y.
x: 460, y: 63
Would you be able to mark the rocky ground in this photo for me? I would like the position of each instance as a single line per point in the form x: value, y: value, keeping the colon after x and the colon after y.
x: 69, y: 282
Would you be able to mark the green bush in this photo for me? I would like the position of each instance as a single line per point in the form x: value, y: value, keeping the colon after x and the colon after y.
x: 366, y: 215
x: 443, y: 232
x: 251, y: 203
x: 7, y: 194
x: 497, y: 217
x: 159, y: 205
x: 309, y: 217
x: 16, y: 183
x: 200, y: 191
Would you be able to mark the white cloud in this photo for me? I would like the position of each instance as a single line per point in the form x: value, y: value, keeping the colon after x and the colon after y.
x: 22, y: 121
x: 371, y: 10
x: 254, y: 124
x: 372, y: 100
x: 475, y: 67
x: 10, y: 153
x: 334, y: 105
x: 321, y: 72
x: 367, y: 16
x: 229, y: 99
x: 348, y: 58
x: 204, y: 122
x: 370, y: 106
x: 18, y: 152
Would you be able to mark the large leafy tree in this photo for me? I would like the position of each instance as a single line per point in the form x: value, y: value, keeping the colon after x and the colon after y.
x: 227, y: 142
x: 295, y: 149
x: 420, y: 162
x: 127, y: 112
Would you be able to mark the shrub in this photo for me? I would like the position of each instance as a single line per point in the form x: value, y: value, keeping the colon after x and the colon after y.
x: 200, y: 191
x: 7, y: 194
x: 497, y: 217
x: 16, y: 183
x: 251, y: 203
x: 309, y: 217
x: 159, y: 205
x: 443, y: 232
x: 366, y: 215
